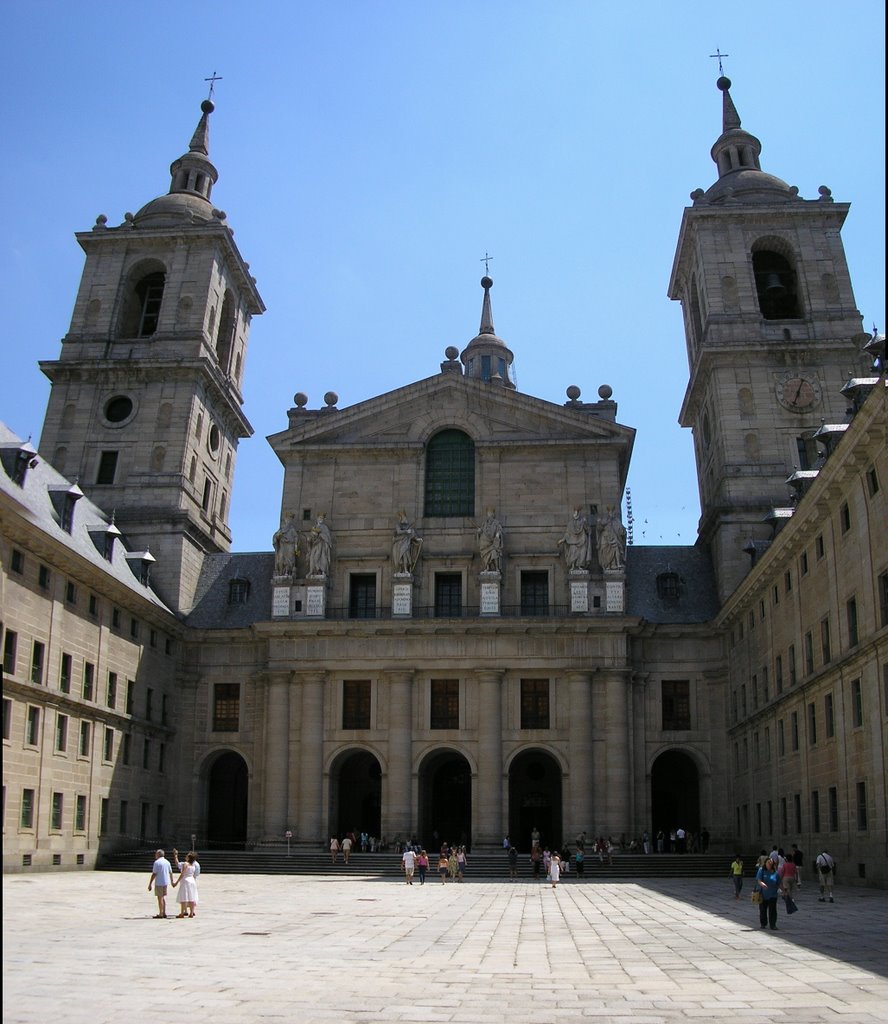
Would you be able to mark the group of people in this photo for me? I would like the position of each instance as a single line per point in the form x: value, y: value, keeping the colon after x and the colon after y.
x: 162, y: 879
x: 780, y: 874
x: 452, y: 863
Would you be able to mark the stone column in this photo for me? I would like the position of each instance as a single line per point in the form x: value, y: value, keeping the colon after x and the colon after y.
x: 397, y: 788
x: 578, y: 808
x: 276, y: 755
x: 489, y: 807
x: 311, y: 759
x: 617, y: 773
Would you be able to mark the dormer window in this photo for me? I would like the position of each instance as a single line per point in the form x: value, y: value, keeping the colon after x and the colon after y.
x: 238, y: 591
x: 668, y: 586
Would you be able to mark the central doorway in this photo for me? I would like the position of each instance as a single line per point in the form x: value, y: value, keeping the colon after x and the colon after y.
x: 445, y: 800
x: 227, y: 802
x: 356, y: 791
x: 535, y: 800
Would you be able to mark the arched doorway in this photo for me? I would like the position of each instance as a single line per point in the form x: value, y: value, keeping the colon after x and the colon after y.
x: 535, y: 799
x: 445, y: 799
x: 675, y: 793
x: 227, y: 802
x: 356, y: 794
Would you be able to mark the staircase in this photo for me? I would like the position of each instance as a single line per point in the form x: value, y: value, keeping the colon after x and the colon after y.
x: 483, y: 865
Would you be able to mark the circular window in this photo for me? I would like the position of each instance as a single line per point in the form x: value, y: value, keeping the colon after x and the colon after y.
x: 118, y: 409
x: 214, y: 439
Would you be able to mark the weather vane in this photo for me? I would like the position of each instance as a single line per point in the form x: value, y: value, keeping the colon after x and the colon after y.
x: 717, y: 53
x: 485, y: 259
x: 212, y: 80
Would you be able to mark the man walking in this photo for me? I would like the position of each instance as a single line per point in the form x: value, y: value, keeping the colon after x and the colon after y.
x: 161, y: 877
x: 409, y: 862
x: 826, y: 868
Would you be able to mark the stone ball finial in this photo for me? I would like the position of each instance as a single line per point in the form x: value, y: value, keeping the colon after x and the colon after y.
x: 220, y: 214
x: 101, y: 220
x: 331, y: 398
x: 724, y: 83
x: 486, y: 282
x: 605, y: 391
x: 128, y: 217
x: 698, y: 193
x: 573, y: 392
x: 208, y: 106
x: 301, y: 399
x: 451, y: 351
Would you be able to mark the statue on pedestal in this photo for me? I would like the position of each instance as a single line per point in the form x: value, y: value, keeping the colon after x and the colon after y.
x: 576, y: 542
x: 320, y: 545
x: 611, y: 540
x: 490, y: 543
x: 405, y: 545
x: 286, y: 547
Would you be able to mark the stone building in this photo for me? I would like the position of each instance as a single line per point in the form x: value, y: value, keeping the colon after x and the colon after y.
x: 452, y: 638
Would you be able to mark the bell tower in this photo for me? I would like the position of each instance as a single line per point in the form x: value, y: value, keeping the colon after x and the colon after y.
x: 772, y: 334
x: 145, y: 408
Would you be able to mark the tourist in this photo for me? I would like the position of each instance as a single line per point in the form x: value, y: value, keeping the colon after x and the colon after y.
x: 461, y: 861
x: 826, y: 870
x: 422, y: 865
x: 555, y: 869
x: 443, y: 866
x: 787, y: 873
x: 346, y: 847
x: 536, y: 858
x: 452, y: 865
x: 513, y: 864
x: 161, y: 877
x: 737, y: 875
x: 768, y: 882
x: 408, y: 861
x: 187, y: 895
x: 580, y: 859
x: 798, y: 858
x: 334, y: 849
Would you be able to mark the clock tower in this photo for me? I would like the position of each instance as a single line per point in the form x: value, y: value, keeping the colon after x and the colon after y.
x: 145, y: 409
x: 772, y: 333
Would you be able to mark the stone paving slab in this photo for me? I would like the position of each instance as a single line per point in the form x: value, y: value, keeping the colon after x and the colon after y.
x: 84, y: 949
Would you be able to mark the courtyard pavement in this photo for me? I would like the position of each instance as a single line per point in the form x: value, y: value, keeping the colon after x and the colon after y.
x: 83, y: 948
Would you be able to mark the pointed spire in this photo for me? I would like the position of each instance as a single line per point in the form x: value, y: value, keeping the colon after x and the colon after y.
x: 730, y: 117
x: 486, y: 312
x: 200, y: 141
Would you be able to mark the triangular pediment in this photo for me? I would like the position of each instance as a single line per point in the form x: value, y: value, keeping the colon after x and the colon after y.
x: 489, y: 413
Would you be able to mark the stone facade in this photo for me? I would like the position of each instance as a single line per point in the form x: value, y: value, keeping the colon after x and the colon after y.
x: 452, y: 639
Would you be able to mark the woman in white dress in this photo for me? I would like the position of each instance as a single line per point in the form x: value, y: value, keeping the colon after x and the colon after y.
x: 187, y: 894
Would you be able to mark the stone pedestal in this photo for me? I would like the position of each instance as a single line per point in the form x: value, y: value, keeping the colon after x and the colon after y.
x: 402, y: 595
x: 280, y: 599
x: 491, y: 587
x: 614, y: 590
x: 578, y: 580
x: 316, y: 597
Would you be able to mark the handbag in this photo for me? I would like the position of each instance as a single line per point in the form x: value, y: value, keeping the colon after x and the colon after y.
x: 791, y: 906
x: 756, y: 897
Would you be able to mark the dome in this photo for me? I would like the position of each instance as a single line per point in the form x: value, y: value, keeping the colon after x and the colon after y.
x: 749, y: 183
x: 174, y: 208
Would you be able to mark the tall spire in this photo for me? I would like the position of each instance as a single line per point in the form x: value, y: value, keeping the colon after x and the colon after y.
x: 730, y: 117
x: 486, y: 356
x: 486, y: 312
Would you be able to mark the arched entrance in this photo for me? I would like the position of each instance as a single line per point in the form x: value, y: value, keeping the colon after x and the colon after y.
x: 227, y: 802
x: 535, y: 799
x: 356, y: 794
x: 445, y: 799
x: 675, y: 793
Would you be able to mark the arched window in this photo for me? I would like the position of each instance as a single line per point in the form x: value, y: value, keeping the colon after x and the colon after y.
x: 225, y: 335
x: 141, y: 307
x: 776, y: 285
x: 450, y: 475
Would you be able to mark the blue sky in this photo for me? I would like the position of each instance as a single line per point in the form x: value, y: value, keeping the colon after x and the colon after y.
x: 369, y: 154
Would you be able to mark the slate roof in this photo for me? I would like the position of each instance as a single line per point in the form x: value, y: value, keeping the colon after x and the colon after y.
x: 212, y: 609
x: 697, y: 599
x: 36, y: 506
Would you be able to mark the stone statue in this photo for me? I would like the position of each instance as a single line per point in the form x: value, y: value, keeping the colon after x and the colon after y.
x: 490, y: 543
x: 611, y: 540
x: 320, y: 545
x: 405, y: 545
x: 286, y: 547
x: 577, y: 542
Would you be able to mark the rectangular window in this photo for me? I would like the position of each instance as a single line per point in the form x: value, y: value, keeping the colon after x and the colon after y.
x: 826, y: 649
x: 115, y: 618
x: 226, y: 707
x: 676, y: 701
x: 534, y: 703
x: 776, y: 594
x: 149, y: 704
x: 89, y: 680
x: 862, y: 817
x: 161, y: 757
x: 17, y: 562
x: 108, y: 745
x: 127, y: 747
x: 803, y: 564
x: 534, y: 593
x: 818, y: 547
x: 7, y: 718
x: 80, y: 813
x: 107, y: 468
x: 767, y: 744
x: 362, y: 595
x: 37, y: 654
x: 356, y: 704
x: 743, y: 700
x: 27, y: 816
x: 815, y: 810
x: 32, y: 726
x: 70, y: 592
x: 812, y: 724
x: 778, y: 673
x: 66, y: 669
x: 130, y: 696
x: 58, y: 809
x: 845, y: 517
x: 781, y: 739
x: 104, y: 815
x: 829, y: 716
x: 159, y: 820
x: 10, y: 642
x: 797, y: 811
x: 93, y: 606
x: 784, y: 816
x: 85, y: 738
x: 832, y: 797
x: 61, y: 734
x: 794, y: 729
x: 146, y: 753
x: 134, y: 628
x: 448, y: 595
x: 111, y: 690
x: 164, y: 709
x: 809, y: 653
x: 143, y: 820
x: 43, y: 577
x: 851, y: 612
x: 755, y: 690
x: 883, y: 599
x: 787, y: 581
x: 856, y: 704
x: 445, y: 704
x: 792, y: 665
x: 124, y: 813
x: 872, y: 482
x: 758, y: 819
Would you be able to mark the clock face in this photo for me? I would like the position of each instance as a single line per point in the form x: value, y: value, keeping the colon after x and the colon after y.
x: 799, y: 392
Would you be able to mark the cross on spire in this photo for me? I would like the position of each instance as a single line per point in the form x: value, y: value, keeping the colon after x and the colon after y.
x: 718, y: 54
x: 212, y: 80
x: 485, y: 259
